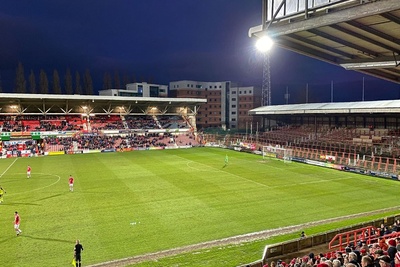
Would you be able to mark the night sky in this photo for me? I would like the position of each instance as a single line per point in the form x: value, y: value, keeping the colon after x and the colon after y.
x: 162, y: 41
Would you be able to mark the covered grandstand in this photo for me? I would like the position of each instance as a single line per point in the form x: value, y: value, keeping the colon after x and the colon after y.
x: 34, y: 124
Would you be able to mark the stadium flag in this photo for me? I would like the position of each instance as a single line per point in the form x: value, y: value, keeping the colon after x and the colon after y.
x: 73, y: 261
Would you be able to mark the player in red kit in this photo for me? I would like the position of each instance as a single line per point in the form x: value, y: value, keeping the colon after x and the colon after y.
x: 71, y: 183
x: 17, y: 221
x: 28, y: 172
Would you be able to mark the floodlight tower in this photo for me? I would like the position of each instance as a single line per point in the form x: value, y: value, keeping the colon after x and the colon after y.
x: 264, y: 45
x: 266, y: 82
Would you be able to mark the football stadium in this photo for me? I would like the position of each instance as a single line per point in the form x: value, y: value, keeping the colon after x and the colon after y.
x: 137, y: 183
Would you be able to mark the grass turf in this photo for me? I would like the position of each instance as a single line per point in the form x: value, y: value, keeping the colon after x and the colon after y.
x: 127, y: 204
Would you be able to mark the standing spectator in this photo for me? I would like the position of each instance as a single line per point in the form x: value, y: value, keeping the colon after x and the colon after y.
x: 77, y: 253
x: 378, y: 253
x: 382, y: 243
x: 17, y: 221
x: 28, y: 172
x: 71, y: 183
x: 2, y: 192
x: 384, y: 261
x: 398, y: 243
x: 366, y: 261
x: 397, y: 259
x: 392, y: 251
x: 303, y: 235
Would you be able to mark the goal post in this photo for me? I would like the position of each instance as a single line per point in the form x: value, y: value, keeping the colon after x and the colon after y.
x: 278, y: 152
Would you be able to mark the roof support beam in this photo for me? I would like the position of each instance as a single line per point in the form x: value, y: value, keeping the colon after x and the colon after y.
x: 368, y: 29
x: 345, y: 43
x: 321, y: 46
x: 364, y: 38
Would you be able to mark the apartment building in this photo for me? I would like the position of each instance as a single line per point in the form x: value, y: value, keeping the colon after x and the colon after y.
x: 227, y: 104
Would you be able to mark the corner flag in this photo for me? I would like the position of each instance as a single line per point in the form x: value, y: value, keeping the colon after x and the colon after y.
x: 73, y: 262
x: 226, y: 159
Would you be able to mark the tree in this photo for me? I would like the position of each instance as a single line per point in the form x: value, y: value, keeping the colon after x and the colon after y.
x: 56, y: 83
x: 32, y: 83
x: 125, y: 79
x: 68, y: 83
x: 43, y: 82
x: 107, y: 82
x: 117, y: 81
x: 1, y: 84
x: 20, y: 84
x: 78, y: 86
x: 88, y: 83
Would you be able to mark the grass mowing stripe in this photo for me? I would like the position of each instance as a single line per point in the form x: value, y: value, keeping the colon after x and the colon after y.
x: 175, y: 205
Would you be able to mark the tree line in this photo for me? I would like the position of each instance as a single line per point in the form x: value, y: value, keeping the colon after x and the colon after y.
x: 79, y: 84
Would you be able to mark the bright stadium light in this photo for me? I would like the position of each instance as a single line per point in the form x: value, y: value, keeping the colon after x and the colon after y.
x: 370, y: 65
x: 264, y: 44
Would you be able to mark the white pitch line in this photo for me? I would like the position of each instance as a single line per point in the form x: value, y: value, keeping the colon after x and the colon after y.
x: 8, y: 167
x: 39, y: 188
x: 218, y: 170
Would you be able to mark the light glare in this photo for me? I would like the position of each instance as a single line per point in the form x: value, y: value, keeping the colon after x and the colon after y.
x: 264, y: 44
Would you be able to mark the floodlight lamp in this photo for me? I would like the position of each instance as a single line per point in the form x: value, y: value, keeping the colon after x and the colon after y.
x: 264, y: 44
x: 370, y: 65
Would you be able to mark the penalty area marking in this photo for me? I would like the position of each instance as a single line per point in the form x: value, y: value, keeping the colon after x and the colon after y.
x: 39, y: 188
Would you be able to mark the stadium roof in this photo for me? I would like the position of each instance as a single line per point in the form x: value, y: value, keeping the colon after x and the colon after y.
x: 356, y: 34
x: 51, y: 104
x: 384, y: 106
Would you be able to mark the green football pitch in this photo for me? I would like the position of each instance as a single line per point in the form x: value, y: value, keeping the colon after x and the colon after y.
x: 133, y: 203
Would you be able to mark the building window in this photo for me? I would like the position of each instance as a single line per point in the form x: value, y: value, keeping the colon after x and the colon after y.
x: 250, y: 92
x: 233, y: 99
x: 233, y: 106
x: 233, y: 119
x: 233, y: 92
x: 233, y: 112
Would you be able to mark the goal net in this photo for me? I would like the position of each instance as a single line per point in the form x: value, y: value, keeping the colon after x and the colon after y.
x: 278, y: 152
